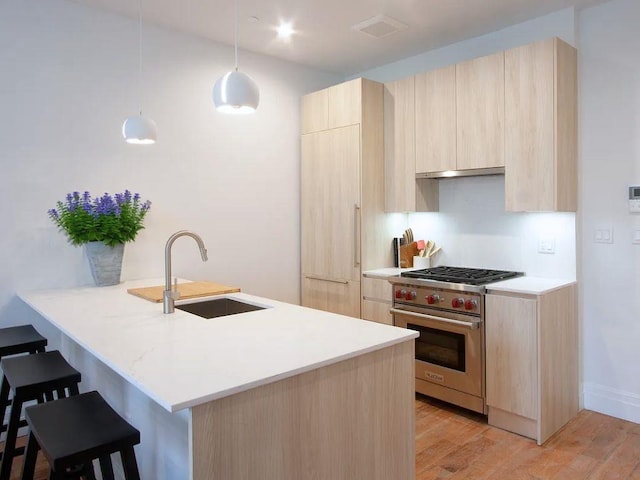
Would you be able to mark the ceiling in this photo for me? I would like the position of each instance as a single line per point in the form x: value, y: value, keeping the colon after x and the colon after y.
x: 324, y: 37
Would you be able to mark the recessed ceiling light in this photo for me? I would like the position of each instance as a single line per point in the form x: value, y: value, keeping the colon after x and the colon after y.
x: 285, y: 30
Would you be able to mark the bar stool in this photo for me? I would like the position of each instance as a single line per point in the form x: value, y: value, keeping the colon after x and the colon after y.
x: 31, y: 377
x: 19, y: 340
x: 75, y: 431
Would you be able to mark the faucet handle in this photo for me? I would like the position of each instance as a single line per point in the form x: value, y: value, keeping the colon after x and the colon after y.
x: 175, y: 294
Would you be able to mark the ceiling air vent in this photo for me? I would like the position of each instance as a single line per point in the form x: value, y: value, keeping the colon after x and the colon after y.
x: 380, y: 26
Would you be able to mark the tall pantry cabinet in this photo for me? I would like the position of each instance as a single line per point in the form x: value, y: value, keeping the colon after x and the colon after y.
x: 342, y: 194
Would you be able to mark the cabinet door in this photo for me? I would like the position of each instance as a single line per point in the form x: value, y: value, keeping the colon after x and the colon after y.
x: 341, y: 297
x: 399, y: 146
x: 315, y: 111
x: 529, y: 148
x: 436, y: 120
x: 480, y: 112
x: 511, y: 354
x: 377, y: 312
x: 330, y: 201
x: 345, y: 103
x: 540, y: 132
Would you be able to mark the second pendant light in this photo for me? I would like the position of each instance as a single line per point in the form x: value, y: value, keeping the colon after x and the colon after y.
x: 138, y: 129
x: 236, y: 92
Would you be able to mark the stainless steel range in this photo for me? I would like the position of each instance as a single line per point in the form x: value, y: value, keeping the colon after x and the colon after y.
x: 445, y: 305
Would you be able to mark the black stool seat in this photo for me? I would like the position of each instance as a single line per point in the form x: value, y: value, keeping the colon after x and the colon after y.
x: 31, y: 377
x: 75, y: 431
x: 14, y: 341
x: 21, y: 339
x: 35, y: 374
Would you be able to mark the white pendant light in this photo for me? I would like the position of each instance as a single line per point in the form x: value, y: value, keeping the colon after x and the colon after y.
x: 138, y: 129
x: 236, y: 92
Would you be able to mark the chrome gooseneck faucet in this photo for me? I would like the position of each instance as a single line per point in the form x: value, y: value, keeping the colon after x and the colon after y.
x: 171, y: 295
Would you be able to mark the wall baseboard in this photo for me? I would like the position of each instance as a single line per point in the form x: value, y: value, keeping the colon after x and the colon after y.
x: 611, y: 401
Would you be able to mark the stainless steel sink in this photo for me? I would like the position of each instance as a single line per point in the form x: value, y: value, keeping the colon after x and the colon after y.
x: 218, y: 307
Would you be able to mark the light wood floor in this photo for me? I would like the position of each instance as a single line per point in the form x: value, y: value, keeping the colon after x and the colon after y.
x: 456, y: 444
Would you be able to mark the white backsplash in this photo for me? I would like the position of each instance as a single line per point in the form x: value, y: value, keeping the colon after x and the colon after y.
x: 474, y: 230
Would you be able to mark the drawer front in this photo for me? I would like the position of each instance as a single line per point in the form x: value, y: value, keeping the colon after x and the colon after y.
x: 377, y: 289
x: 376, y: 312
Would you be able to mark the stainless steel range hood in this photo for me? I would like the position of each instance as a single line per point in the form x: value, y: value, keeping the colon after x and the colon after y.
x: 462, y: 173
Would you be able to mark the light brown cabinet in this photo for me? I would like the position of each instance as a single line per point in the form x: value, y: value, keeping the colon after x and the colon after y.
x: 402, y: 192
x: 532, y: 361
x: 342, y: 195
x: 480, y: 112
x: 541, y: 127
x: 376, y: 300
x: 333, y: 107
x: 435, y: 96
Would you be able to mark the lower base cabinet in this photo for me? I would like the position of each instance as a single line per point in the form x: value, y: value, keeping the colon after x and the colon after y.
x: 336, y: 296
x: 376, y: 300
x: 532, y: 361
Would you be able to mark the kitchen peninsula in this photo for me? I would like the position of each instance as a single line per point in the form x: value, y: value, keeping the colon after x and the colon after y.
x: 286, y: 392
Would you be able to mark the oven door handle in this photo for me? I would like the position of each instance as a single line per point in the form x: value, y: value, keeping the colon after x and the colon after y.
x: 471, y: 325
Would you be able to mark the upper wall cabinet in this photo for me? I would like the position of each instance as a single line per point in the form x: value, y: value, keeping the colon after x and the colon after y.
x: 541, y: 127
x: 480, y: 112
x: 333, y: 107
x: 436, y: 120
x: 403, y: 193
x: 460, y: 116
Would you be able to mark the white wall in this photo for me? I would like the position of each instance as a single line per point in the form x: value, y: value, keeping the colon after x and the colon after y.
x: 474, y: 231
x: 472, y: 226
x: 68, y: 80
x: 609, y: 62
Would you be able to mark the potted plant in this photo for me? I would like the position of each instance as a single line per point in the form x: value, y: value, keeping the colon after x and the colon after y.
x: 103, y: 225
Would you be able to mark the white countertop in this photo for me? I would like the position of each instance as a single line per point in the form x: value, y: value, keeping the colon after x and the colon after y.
x: 181, y: 360
x: 528, y: 285
x: 386, y: 272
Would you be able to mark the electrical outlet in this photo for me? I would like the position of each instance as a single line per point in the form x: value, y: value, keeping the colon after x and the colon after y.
x: 603, y: 235
x: 547, y: 245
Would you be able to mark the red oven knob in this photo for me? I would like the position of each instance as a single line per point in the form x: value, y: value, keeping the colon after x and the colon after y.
x: 431, y: 299
x: 470, y: 304
x: 400, y: 293
x: 411, y: 295
x: 457, y: 302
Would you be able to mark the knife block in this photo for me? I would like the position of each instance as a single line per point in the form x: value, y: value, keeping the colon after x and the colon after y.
x: 407, y: 252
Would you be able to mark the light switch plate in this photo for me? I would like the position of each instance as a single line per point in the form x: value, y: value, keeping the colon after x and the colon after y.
x: 603, y: 235
x: 547, y: 245
x: 634, y: 199
x: 636, y: 237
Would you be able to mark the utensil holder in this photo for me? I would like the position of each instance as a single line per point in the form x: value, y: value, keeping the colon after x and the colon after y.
x: 421, y: 262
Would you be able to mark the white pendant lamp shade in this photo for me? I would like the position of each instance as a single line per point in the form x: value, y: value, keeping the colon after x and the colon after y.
x: 236, y: 92
x: 139, y: 130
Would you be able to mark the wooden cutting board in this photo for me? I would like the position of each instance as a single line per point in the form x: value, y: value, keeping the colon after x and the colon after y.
x: 187, y: 290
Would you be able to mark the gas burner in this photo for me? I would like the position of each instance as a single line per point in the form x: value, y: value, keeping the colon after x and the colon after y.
x: 469, y: 276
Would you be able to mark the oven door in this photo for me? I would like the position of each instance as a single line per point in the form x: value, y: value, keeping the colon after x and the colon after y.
x: 449, y: 350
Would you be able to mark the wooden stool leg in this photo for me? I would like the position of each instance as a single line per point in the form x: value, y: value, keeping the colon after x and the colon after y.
x: 129, y: 464
x: 60, y: 393
x: 4, y: 401
x: 10, y: 442
x: 88, y: 472
x: 106, y: 468
x: 30, y: 457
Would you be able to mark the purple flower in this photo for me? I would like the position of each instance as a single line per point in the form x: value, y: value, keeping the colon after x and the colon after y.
x: 111, y: 219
